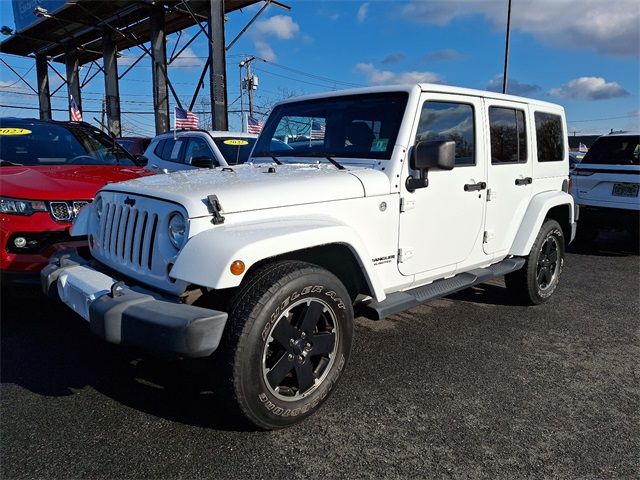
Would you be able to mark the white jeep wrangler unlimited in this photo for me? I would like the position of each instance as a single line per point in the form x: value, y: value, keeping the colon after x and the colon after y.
x: 376, y: 199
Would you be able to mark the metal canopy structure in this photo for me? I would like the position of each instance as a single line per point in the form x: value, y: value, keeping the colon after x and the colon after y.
x: 83, y: 31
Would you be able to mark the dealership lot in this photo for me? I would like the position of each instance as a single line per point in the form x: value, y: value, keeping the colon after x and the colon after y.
x: 466, y: 388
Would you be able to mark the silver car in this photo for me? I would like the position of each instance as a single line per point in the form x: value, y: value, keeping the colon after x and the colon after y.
x: 190, y: 149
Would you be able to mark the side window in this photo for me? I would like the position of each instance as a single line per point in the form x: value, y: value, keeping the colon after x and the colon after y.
x: 449, y: 121
x: 508, y: 135
x: 159, y: 147
x: 549, y: 137
x: 171, y: 150
x: 198, y: 147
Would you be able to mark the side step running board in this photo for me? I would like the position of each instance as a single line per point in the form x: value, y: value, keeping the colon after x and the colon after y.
x: 400, y: 301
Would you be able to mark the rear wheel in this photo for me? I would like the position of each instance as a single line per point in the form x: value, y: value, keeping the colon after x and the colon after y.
x: 537, y: 280
x: 288, y: 340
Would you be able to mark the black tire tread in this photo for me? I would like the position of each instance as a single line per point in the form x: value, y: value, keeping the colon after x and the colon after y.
x: 267, y: 279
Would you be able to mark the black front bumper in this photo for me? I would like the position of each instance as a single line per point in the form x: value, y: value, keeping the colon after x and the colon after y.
x: 140, y: 318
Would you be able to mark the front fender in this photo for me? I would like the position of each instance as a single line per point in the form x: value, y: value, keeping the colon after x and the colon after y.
x: 207, y: 256
x: 532, y: 222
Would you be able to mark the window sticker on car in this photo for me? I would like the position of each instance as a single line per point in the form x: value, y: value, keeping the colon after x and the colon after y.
x: 380, y: 145
x: 14, y: 131
x: 235, y: 141
x: 176, y: 150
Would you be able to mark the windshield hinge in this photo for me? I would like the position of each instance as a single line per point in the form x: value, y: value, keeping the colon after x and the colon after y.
x: 404, y: 254
x: 214, y: 207
x: 406, y: 204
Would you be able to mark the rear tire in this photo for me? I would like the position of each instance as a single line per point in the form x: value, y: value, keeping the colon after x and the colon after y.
x: 536, y: 281
x: 288, y: 339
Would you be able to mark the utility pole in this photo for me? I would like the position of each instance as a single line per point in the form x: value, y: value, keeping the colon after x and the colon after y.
x: 250, y: 83
x: 506, y: 51
x: 102, y: 117
x: 241, y: 101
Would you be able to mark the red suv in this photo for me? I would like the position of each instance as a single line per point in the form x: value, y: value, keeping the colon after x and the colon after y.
x: 49, y: 170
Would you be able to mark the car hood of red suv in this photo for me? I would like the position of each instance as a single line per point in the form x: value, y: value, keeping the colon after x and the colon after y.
x: 62, y: 182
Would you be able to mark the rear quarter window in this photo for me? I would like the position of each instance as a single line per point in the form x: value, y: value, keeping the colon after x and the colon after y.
x: 614, y: 150
x: 549, y: 137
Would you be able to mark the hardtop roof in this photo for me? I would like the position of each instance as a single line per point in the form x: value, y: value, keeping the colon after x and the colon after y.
x: 428, y: 87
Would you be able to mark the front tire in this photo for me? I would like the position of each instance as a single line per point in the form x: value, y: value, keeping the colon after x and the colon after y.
x: 289, y: 337
x: 536, y: 281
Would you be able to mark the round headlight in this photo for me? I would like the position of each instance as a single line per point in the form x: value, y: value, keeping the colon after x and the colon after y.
x: 177, y: 229
x: 98, y: 207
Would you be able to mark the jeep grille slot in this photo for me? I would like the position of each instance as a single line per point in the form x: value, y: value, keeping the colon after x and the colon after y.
x: 128, y: 235
x: 130, y: 238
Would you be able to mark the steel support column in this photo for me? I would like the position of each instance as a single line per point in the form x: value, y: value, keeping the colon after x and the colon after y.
x: 111, y: 89
x: 73, y: 79
x: 159, y: 68
x: 42, y: 76
x: 218, y: 70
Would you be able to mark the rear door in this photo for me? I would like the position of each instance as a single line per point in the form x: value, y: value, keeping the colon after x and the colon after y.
x: 168, y: 155
x: 510, y: 173
x: 609, y: 174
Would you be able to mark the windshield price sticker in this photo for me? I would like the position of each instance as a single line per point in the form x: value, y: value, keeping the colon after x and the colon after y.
x: 14, y: 131
x: 235, y: 141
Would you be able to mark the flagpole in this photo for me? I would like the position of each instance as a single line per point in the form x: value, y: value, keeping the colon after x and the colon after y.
x: 175, y: 117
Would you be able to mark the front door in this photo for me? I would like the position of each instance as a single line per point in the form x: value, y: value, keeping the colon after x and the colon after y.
x: 510, y: 174
x: 441, y: 224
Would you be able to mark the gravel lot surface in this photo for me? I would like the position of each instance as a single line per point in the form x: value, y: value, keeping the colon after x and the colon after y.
x: 471, y: 386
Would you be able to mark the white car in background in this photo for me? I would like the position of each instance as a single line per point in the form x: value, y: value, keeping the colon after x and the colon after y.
x: 605, y: 185
x: 189, y: 149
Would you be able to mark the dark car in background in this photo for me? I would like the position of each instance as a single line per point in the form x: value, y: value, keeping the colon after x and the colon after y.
x: 134, y: 145
x: 49, y: 170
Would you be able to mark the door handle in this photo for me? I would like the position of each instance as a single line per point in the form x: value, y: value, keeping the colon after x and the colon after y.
x: 471, y: 187
x: 524, y: 181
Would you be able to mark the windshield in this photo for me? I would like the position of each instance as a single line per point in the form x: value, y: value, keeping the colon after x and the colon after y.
x: 45, y: 144
x: 618, y: 150
x: 355, y: 126
x: 233, y: 149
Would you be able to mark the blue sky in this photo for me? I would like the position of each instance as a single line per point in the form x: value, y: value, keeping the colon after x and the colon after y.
x: 582, y: 54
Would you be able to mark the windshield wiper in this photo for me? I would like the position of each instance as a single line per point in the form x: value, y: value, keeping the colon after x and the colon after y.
x: 278, y: 162
x: 7, y: 163
x: 334, y: 162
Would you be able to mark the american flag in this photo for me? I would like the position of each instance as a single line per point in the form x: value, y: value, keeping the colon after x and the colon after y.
x: 185, y: 119
x: 254, y: 125
x: 74, y: 111
x: 317, y: 130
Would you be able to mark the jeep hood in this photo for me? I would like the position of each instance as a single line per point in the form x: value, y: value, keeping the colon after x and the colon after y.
x: 258, y: 186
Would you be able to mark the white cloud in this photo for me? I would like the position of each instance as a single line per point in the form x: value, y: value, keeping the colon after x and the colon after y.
x: 611, y: 27
x: 264, y: 50
x: 280, y: 26
x: 514, y: 87
x: 188, y: 58
x: 362, y: 12
x: 386, y: 77
x: 589, y: 88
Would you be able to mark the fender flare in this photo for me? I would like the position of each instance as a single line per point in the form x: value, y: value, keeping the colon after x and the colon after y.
x: 533, y: 218
x: 207, y: 256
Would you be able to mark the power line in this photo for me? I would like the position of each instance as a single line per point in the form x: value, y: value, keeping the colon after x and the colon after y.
x: 602, y: 119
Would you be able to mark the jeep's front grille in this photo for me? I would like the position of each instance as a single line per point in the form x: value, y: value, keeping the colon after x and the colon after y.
x: 66, y: 211
x: 128, y: 234
x: 131, y: 238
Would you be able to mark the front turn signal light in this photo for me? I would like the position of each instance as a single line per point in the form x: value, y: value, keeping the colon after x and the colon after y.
x: 237, y: 267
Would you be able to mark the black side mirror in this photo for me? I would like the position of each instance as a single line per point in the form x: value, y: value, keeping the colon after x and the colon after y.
x: 202, y: 162
x: 141, y: 160
x: 439, y: 154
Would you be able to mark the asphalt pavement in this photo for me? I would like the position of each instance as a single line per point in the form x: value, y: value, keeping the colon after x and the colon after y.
x: 470, y: 386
